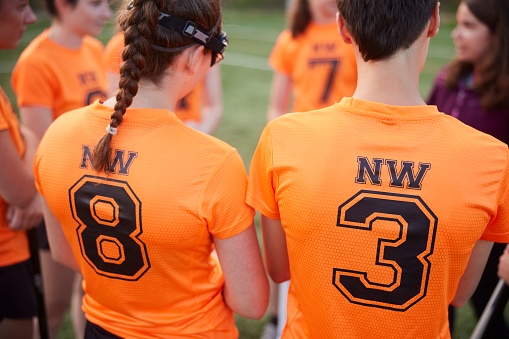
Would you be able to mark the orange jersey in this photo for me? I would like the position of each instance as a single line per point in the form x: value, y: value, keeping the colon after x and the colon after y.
x: 321, y: 66
x: 62, y: 79
x: 188, y: 108
x: 13, y: 244
x: 381, y: 206
x: 142, y: 234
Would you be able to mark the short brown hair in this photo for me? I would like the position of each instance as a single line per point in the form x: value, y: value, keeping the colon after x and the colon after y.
x: 382, y: 27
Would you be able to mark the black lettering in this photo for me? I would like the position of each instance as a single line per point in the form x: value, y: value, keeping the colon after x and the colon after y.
x: 373, y: 172
x: 414, y: 182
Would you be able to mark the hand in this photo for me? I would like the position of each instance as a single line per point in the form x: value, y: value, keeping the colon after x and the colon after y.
x: 503, y: 265
x: 25, y: 218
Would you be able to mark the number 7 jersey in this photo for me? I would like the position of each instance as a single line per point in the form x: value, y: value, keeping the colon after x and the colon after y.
x: 381, y: 207
x: 321, y: 66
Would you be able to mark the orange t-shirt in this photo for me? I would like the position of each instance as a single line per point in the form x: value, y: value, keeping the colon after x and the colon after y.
x: 50, y: 75
x: 142, y: 234
x: 381, y: 206
x: 321, y: 66
x: 13, y: 244
x: 188, y: 108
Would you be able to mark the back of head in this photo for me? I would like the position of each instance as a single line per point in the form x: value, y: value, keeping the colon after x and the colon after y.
x: 381, y: 28
x: 151, y: 49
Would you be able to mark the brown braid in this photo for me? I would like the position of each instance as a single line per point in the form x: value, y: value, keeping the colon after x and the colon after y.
x: 299, y: 17
x: 141, y: 61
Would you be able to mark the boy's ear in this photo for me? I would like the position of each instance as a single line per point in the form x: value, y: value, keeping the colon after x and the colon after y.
x: 434, y: 23
x: 343, y: 32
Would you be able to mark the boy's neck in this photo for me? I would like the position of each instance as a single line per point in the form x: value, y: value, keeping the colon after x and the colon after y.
x: 393, y: 81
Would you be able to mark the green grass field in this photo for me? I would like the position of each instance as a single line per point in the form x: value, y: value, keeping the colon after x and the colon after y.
x: 246, y: 86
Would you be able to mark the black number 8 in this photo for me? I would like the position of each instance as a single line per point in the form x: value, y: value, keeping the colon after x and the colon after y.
x: 109, y: 217
x: 407, y: 255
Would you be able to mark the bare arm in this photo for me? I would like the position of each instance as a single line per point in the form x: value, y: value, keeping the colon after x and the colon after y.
x: 246, y: 288
x: 280, y: 94
x: 470, y: 279
x: 276, y: 254
x: 37, y: 119
x: 60, y: 248
x: 17, y: 186
x: 29, y: 215
x: 503, y: 265
x: 212, y: 110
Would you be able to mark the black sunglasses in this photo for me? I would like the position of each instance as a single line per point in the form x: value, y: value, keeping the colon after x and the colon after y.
x: 217, y: 44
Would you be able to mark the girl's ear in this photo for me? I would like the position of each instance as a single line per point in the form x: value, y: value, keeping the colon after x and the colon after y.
x: 195, y: 58
x: 343, y: 31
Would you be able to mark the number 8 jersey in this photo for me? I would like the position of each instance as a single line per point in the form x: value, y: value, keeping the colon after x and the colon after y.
x: 142, y: 233
x: 381, y: 206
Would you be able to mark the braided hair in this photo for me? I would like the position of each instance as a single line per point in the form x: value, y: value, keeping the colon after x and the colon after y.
x: 142, y: 60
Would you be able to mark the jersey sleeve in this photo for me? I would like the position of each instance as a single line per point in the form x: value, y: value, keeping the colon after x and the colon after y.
x: 4, y: 110
x: 34, y: 84
x: 262, y: 178
x: 498, y: 228
x: 281, y: 59
x: 223, y: 199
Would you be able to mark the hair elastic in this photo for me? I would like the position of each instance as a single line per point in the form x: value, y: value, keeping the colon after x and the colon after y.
x: 111, y: 130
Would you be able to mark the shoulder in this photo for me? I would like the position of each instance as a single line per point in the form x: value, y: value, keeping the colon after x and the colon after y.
x: 68, y: 124
x: 36, y: 51
x: 93, y: 44
x: 285, y: 37
x: 116, y: 41
x: 481, y: 146
x: 308, y: 122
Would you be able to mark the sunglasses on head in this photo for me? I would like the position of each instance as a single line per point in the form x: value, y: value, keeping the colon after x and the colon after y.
x: 216, y: 44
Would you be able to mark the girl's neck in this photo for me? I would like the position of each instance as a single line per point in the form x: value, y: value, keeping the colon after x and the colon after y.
x: 64, y: 36
x: 324, y: 20
x: 150, y: 95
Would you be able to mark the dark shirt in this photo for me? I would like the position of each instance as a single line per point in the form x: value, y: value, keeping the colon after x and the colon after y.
x: 463, y: 103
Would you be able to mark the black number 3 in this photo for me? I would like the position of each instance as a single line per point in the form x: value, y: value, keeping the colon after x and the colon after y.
x: 407, y: 255
x: 109, y: 217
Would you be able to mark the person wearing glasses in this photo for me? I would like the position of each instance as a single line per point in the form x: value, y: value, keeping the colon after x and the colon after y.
x: 137, y: 201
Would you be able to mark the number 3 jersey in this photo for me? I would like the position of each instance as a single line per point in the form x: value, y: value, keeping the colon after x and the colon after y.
x: 50, y: 75
x: 142, y: 234
x: 381, y: 207
x: 321, y: 66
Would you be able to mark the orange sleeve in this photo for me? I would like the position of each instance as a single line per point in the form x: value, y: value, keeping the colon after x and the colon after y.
x: 223, y: 199
x: 113, y: 53
x: 34, y: 83
x: 282, y: 55
x: 498, y: 228
x: 4, y: 106
x: 262, y: 178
